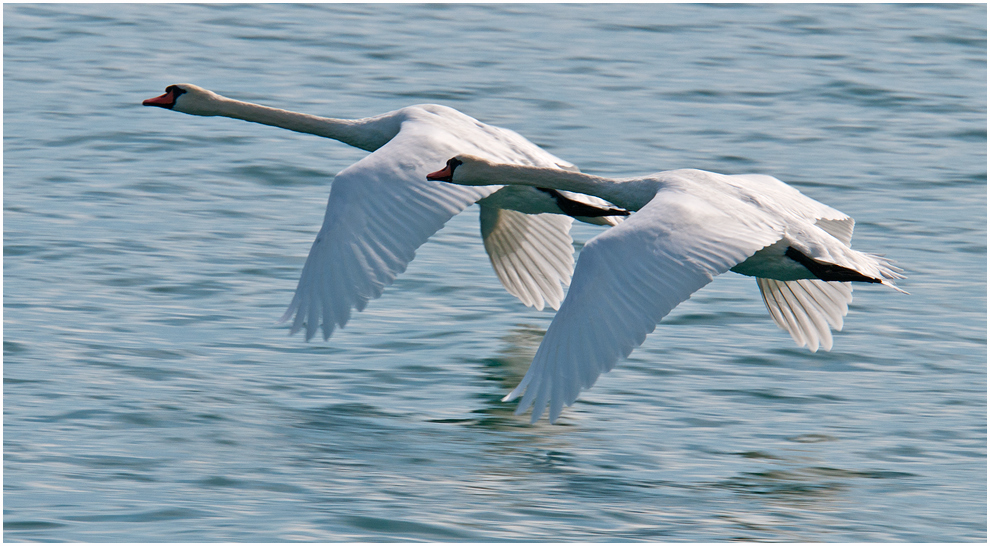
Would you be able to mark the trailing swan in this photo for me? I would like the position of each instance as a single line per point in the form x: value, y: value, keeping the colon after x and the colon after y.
x: 382, y: 208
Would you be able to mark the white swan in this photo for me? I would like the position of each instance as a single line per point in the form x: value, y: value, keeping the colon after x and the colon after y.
x: 691, y: 226
x: 382, y: 208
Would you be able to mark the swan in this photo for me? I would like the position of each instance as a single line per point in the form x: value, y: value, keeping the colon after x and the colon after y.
x: 381, y: 209
x: 690, y: 226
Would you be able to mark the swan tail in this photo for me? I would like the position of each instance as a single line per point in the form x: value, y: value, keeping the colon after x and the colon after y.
x: 888, y: 272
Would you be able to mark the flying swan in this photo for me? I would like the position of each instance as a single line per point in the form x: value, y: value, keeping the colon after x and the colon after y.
x: 690, y: 226
x: 382, y: 208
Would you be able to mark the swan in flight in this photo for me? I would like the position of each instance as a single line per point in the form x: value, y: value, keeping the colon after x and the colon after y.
x: 382, y: 208
x: 690, y: 226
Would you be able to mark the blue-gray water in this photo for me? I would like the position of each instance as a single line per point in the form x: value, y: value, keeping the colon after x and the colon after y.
x: 150, y: 395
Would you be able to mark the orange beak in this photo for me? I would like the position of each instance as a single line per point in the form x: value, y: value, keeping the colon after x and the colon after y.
x: 445, y: 174
x: 165, y: 101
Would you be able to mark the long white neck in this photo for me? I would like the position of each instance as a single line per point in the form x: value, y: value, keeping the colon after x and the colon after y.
x: 368, y: 133
x: 630, y: 194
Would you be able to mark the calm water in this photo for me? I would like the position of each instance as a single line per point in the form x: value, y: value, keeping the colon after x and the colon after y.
x: 149, y: 394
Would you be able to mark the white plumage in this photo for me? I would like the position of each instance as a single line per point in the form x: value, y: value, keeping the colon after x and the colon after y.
x: 690, y: 226
x: 382, y: 208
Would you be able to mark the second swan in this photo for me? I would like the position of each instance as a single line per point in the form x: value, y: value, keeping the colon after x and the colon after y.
x: 691, y: 225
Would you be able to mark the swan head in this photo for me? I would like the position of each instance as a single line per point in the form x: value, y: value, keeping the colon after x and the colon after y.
x: 466, y: 170
x: 188, y: 99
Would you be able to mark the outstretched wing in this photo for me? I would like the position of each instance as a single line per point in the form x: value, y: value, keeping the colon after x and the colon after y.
x: 776, y: 195
x: 532, y: 254
x: 626, y: 280
x: 380, y: 210
x: 808, y: 309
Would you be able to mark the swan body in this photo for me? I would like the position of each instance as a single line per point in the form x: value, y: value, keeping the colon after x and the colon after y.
x: 382, y: 208
x: 690, y: 226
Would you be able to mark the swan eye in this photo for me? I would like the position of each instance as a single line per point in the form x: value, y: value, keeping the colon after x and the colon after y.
x: 453, y: 163
x: 175, y: 90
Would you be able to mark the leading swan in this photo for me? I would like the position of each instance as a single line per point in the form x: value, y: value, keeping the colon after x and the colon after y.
x: 382, y: 208
x: 690, y: 226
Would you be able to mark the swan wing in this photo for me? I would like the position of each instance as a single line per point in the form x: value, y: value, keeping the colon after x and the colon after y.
x: 532, y: 254
x: 380, y: 210
x: 808, y: 309
x: 626, y: 280
x: 773, y: 193
x: 840, y: 228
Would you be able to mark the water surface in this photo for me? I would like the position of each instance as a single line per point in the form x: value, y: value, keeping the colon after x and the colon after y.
x: 150, y: 395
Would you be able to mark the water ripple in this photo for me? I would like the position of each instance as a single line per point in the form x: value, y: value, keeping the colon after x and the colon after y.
x: 151, y: 395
